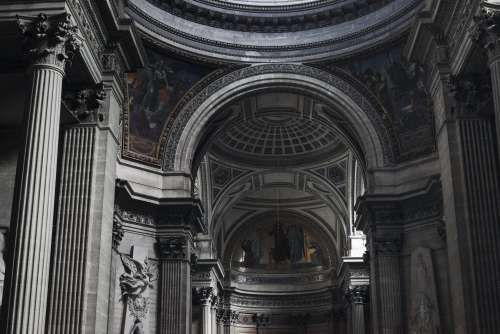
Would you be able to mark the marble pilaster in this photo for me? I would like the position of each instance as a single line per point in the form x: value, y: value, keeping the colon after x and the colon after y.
x: 175, y: 284
x: 51, y: 42
x: 79, y: 290
x: 486, y: 34
x: 471, y: 191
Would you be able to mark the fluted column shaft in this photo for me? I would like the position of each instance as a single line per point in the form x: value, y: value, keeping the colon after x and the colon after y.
x: 385, y: 287
x: 358, y: 300
x: 471, y: 191
x: 206, y: 317
x: 50, y: 42
x: 213, y: 311
x: 495, y: 81
x: 71, y: 232
x: 34, y: 205
x: 175, y: 286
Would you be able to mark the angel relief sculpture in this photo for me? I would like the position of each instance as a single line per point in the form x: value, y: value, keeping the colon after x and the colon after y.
x: 137, y: 278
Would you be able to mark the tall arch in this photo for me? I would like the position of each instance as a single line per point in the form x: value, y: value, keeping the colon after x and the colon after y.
x: 335, y: 88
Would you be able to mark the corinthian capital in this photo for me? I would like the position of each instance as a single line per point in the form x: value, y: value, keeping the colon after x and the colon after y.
x: 486, y: 31
x: 49, y: 40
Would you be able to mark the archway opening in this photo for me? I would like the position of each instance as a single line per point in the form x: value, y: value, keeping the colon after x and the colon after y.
x: 279, y: 172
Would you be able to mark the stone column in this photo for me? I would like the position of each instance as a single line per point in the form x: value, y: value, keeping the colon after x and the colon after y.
x: 471, y: 198
x: 206, y: 295
x: 51, y: 42
x: 213, y: 314
x: 387, y: 283
x: 81, y: 257
x: 175, y: 284
x: 357, y: 297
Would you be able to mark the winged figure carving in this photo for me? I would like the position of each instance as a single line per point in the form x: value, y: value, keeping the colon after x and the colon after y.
x: 138, y: 276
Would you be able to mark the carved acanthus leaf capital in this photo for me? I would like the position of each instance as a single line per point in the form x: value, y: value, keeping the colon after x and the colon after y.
x: 203, y: 295
x: 390, y: 247
x: 85, y: 104
x: 471, y: 93
x: 486, y: 30
x: 49, y: 40
x: 172, y: 248
x: 357, y: 294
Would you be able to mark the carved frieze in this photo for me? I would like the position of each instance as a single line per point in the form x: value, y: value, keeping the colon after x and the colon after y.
x: 49, y: 40
x: 134, y: 217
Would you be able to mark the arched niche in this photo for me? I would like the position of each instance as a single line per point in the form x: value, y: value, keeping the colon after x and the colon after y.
x: 276, y: 252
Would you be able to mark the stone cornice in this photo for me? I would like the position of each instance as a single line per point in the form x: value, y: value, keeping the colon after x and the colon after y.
x: 443, y: 34
x: 396, y: 211
x: 166, y: 30
x: 237, y: 17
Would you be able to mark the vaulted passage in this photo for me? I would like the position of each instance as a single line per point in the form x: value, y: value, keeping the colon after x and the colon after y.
x: 249, y: 167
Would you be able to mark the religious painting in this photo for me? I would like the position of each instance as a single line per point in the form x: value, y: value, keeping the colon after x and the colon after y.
x: 400, y: 88
x: 153, y: 93
x: 279, y: 246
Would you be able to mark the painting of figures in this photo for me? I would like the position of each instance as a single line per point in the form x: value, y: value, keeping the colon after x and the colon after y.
x: 153, y: 93
x: 279, y: 246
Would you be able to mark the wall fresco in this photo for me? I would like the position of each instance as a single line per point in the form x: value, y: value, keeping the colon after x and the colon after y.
x: 153, y: 93
x: 278, y: 246
x: 400, y: 88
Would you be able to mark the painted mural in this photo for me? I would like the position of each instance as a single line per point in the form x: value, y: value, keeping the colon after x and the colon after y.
x: 400, y: 87
x: 278, y: 246
x: 153, y: 93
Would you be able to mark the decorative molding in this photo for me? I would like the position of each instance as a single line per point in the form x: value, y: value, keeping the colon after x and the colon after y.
x: 226, y: 15
x: 306, y: 300
x: 49, y: 40
x: 134, y: 217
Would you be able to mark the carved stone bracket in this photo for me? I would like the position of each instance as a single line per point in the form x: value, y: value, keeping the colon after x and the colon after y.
x: 172, y: 248
x: 49, y: 40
